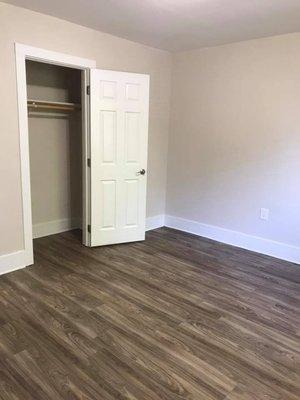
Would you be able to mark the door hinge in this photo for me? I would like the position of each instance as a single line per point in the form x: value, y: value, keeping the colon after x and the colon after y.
x: 89, y: 162
x: 89, y: 228
x: 88, y: 90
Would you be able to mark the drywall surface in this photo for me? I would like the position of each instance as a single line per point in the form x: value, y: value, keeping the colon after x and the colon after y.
x: 235, y: 137
x: 34, y: 29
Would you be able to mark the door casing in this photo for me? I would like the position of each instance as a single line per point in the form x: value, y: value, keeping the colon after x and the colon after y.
x: 23, y: 53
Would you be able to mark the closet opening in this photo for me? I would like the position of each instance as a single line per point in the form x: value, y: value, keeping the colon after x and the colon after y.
x: 56, y: 129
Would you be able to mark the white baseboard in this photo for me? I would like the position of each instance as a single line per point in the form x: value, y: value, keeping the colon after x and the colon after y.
x: 239, y: 239
x: 53, y: 227
x: 155, y: 222
x: 13, y: 261
x: 19, y: 259
x: 64, y: 225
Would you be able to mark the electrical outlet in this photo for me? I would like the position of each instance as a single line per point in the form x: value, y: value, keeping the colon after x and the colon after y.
x: 264, y: 214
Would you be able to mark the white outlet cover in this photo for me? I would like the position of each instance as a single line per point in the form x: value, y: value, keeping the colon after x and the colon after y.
x: 264, y: 214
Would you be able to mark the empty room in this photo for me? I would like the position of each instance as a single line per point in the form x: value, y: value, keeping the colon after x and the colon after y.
x: 150, y: 200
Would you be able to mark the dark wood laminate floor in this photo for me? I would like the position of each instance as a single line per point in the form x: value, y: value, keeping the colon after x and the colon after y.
x: 174, y: 317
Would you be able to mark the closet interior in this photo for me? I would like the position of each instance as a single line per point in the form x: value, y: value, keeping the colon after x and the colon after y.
x: 54, y: 102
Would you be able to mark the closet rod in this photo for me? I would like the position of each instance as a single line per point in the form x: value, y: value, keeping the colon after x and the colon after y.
x: 41, y: 114
x: 49, y: 105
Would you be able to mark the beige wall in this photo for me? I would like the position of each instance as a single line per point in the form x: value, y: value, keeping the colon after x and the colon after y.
x: 235, y: 137
x: 23, y: 26
x: 234, y: 143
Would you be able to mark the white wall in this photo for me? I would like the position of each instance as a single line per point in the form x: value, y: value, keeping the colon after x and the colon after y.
x: 34, y: 29
x: 235, y: 137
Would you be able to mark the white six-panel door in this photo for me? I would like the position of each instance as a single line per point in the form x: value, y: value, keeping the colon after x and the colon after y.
x: 119, y: 137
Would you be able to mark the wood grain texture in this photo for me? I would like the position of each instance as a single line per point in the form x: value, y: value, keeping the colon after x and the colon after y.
x: 174, y: 317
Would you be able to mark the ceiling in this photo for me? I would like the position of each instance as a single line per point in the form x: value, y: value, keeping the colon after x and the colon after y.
x: 177, y: 25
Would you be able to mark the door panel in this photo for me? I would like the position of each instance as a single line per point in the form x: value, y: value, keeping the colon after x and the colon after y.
x: 132, y: 202
x: 119, y: 137
x: 132, y: 137
x: 108, y: 201
x: 108, y: 126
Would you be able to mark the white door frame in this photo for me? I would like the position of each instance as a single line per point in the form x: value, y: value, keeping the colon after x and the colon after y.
x: 23, y: 53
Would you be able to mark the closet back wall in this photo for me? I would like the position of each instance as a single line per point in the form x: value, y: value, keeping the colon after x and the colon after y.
x: 35, y: 29
x: 55, y: 149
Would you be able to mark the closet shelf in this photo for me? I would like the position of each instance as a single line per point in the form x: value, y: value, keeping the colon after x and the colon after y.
x: 57, y: 106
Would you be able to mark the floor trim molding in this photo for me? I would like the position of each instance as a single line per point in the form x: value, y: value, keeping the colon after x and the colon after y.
x: 155, y: 222
x: 53, y: 227
x: 235, y: 238
x: 64, y: 225
x: 20, y: 259
x: 13, y: 261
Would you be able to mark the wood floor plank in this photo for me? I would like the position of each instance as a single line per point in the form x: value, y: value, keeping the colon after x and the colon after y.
x: 174, y: 317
